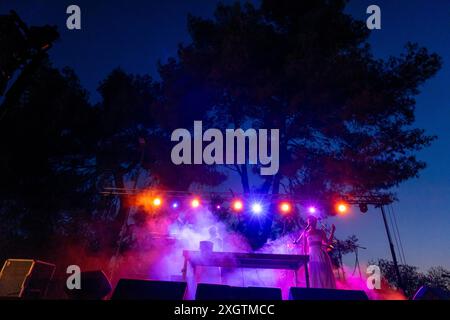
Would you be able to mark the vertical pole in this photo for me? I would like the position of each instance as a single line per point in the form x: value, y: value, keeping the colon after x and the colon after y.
x: 340, y: 262
x: 391, y: 245
x: 125, y: 224
x: 307, y: 273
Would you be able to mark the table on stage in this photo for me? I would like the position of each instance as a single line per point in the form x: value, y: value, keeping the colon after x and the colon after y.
x: 246, y: 260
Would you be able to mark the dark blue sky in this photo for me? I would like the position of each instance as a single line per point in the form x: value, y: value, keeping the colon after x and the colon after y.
x: 136, y: 34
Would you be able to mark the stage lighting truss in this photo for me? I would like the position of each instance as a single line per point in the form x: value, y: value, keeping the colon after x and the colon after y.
x: 239, y: 202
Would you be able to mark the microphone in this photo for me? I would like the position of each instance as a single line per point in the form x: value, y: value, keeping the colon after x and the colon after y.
x: 306, y: 229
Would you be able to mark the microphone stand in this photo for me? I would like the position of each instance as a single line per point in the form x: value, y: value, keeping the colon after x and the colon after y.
x: 357, y: 260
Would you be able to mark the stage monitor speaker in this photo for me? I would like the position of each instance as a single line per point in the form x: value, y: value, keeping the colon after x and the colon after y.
x: 94, y: 286
x: 29, y: 279
x: 326, y: 294
x: 129, y: 289
x: 428, y: 293
x: 213, y: 292
x: 256, y: 294
x: 207, y: 292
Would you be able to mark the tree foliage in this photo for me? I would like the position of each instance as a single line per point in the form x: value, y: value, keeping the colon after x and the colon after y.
x: 346, y: 118
x: 43, y: 137
x: 413, y: 279
x: 306, y: 68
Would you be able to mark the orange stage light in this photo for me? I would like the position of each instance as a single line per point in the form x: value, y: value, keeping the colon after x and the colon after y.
x: 238, y: 205
x: 285, y: 207
x: 342, y: 208
x: 157, y: 202
x: 195, y: 203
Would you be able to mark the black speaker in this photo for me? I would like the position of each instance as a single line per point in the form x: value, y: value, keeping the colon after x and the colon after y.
x: 256, y: 294
x: 94, y: 286
x: 207, y: 292
x: 428, y: 293
x: 29, y: 279
x: 129, y: 289
x: 326, y: 294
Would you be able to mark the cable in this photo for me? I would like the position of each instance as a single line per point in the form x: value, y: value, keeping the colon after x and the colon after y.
x: 396, y: 235
x: 394, y: 232
x: 398, y: 232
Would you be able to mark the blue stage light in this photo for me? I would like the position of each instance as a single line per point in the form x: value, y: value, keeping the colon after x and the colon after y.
x: 257, y: 208
x: 312, y: 210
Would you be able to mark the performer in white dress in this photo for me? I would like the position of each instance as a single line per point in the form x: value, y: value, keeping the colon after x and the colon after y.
x: 315, y: 243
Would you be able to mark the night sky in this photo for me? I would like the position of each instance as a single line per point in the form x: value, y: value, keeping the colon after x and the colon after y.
x: 136, y: 34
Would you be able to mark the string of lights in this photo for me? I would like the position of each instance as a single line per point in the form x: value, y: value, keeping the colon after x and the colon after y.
x: 255, y: 203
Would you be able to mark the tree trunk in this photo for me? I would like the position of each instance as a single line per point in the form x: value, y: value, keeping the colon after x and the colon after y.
x: 122, y: 213
x: 244, y: 179
x: 276, y: 184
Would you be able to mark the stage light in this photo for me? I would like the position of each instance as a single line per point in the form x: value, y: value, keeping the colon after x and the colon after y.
x: 312, y: 210
x: 285, y: 207
x: 175, y: 205
x: 237, y: 205
x: 342, y: 208
x: 195, y: 203
x: 157, y: 202
x: 363, y: 208
x: 257, y: 208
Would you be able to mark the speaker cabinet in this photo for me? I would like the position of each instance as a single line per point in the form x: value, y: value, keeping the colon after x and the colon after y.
x: 326, y: 294
x: 28, y: 279
x: 223, y: 292
x: 128, y: 289
x: 94, y: 286
x: 428, y: 293
x: 206, y: 292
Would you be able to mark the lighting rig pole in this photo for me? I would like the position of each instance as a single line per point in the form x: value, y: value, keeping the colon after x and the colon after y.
x: 379, y: 201
x: 391, y: 246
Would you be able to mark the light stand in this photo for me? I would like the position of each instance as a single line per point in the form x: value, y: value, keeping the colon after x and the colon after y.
x: 391, y: 246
